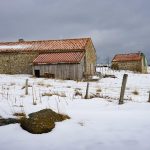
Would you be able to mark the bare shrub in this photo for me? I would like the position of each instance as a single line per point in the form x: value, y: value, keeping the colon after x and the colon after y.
x: 78, y: 93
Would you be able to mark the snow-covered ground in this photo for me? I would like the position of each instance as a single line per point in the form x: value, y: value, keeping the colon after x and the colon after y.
x: 97, y: 123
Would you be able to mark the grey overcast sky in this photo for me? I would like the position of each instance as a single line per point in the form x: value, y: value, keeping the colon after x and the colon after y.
x: 115, y: 26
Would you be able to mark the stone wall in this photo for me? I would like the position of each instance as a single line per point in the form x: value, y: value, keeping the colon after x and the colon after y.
x: 130, y: 65
x: 144, y: 66
x: 90, y: 59
x: 16, y: 63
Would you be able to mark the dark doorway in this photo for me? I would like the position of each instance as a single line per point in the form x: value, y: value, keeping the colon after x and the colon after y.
x: 37, y: 73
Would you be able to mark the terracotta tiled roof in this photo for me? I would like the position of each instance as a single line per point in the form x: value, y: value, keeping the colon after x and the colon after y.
x: 45, y: 45
x: 68, y: 57
x: 127, y: 57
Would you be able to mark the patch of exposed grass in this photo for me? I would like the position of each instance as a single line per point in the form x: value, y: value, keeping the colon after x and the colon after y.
x: 98, y: 90
x: 41, y: 83
x: 54, y: 93
x: 47, y: 94
x: 135, y: 92
x: 19, y: 114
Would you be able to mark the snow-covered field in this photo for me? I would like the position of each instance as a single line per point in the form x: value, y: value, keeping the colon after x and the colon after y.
x: 97, y: 123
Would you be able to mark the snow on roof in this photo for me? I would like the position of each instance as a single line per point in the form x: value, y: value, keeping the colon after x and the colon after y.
x: 2, y: 47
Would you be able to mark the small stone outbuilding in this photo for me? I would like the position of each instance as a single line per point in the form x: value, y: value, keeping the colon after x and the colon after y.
x: 63, y: 59
x: 133, y: 62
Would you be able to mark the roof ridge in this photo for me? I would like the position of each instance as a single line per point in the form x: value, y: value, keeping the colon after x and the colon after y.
x: 28, y: 41
x: 128, y: 53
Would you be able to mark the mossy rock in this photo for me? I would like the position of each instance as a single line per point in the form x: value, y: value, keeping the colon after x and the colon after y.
x: 42, y: 121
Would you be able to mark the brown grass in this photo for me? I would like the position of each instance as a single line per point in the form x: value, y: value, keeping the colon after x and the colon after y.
x: 19, y: 114
x: 135, y: 92
x: 98, y: 90
x: 54, y: 93
x: 47, y: 94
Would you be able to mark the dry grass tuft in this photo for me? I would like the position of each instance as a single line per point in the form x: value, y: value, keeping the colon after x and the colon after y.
x: 62, y: 94
x: 12, y: 84
x: 98, y: 90
x: 25, y: 86
x: 81, y: 123
x: 47, y: 94
x: 68, y: 87
x: 41, y: 83
x: 22, y: 96
x: 78, y: 93
x: 135, y: 92
x: 19, y: 114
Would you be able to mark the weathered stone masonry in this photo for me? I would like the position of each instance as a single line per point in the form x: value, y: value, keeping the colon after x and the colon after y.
x: 17, y: 63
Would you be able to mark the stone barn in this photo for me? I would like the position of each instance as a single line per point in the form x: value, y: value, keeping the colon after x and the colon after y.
x: 133, y: 61
x: 63, y: 59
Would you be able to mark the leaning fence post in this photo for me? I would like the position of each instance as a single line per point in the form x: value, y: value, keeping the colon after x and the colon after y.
x: 123, y: 87
x: 149, y: 97
x: 26, y: 87
x: 87, y: 91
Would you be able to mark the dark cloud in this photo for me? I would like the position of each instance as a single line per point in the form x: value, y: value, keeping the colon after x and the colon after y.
x: 116, y: 26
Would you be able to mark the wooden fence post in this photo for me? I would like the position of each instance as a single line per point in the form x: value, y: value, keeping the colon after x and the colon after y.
x: 123, y: 87
x: 149, y: 97
x: 26, y: 87
x: 87, y: 91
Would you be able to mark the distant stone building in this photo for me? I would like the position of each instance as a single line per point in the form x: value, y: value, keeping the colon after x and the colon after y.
x: 133, y: 61
x: 63, y: 59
